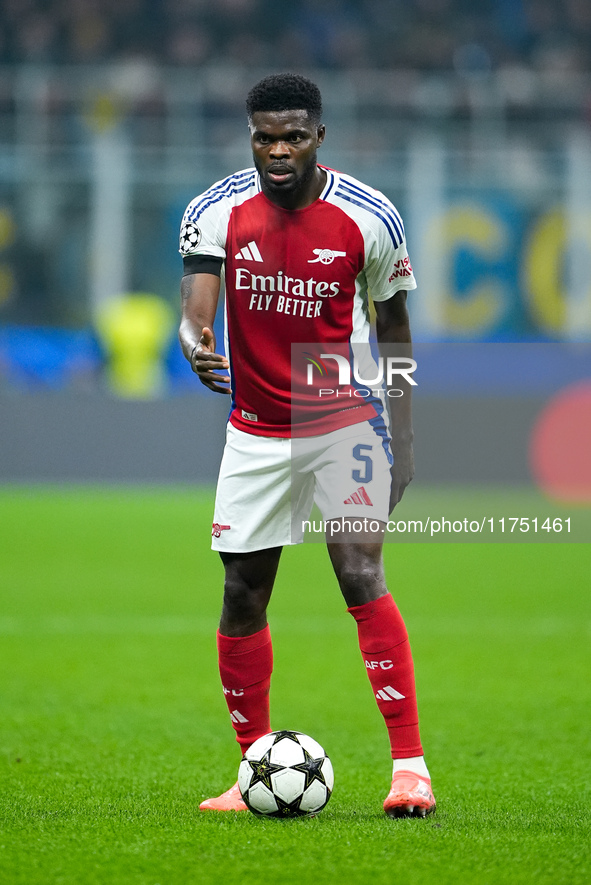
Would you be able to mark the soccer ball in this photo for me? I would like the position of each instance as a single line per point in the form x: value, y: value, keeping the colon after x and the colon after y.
x: 285, y: 774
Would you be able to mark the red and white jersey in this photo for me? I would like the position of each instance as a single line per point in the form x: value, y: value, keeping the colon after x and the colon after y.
x: 292, y: 277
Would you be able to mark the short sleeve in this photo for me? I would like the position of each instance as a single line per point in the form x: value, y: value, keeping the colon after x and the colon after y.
x: 203, y: 228
x: 388, y: 266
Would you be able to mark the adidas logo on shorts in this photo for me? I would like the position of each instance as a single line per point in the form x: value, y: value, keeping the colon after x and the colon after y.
x: 359, y: 497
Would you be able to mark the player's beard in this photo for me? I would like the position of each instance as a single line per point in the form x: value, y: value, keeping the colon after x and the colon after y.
x: 298, y: 182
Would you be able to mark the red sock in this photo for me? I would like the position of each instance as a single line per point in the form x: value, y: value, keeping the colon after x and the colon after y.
x: 245, y: 664
x: 385, y: 648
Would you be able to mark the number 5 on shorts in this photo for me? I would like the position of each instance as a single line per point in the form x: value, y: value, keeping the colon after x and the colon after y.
x: 367, y: 474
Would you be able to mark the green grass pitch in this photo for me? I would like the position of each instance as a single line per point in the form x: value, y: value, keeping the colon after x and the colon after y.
x: 113, y: 726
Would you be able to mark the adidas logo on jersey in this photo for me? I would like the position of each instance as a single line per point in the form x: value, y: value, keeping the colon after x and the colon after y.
x: 389, y: 694
x: 249, y: 252
x: 237, y: 717
x: 359, y: 497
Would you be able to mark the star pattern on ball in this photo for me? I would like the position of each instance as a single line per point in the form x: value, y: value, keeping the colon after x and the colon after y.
x: 286, y: 809
x: 190, y: 237
x: 286, y: 735
x: 312, y: 768
x: 262, y: 769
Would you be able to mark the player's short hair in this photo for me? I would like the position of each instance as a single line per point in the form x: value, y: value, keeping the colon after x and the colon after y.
x: 285, y: 92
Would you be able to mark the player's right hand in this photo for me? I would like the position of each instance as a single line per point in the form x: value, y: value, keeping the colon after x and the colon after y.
x: 206, y: 363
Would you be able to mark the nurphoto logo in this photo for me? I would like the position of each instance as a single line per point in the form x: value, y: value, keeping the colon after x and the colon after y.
x: 351, y: 372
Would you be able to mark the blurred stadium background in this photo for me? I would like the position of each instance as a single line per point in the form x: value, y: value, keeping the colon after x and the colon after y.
x: 473, y: 118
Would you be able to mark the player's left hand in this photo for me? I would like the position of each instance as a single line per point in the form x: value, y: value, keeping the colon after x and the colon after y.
x: 402, y: 472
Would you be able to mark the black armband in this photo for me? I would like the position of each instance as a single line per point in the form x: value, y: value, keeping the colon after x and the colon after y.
x: 202, y: 264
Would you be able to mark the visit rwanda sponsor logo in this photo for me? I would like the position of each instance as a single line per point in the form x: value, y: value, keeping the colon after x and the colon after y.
x: 402, y: 268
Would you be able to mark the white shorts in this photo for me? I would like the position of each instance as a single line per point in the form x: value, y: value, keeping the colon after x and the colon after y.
x: 267, y: 485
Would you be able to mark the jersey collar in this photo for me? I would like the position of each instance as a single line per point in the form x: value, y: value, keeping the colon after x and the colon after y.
x: 330, y: 182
